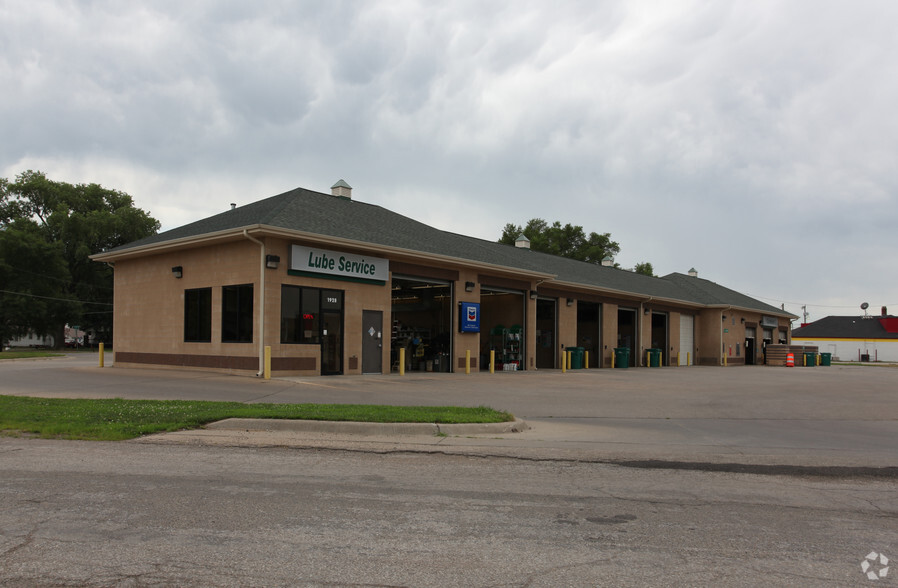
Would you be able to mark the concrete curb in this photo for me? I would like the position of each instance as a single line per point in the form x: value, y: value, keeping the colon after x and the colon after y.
x: 369, y: 429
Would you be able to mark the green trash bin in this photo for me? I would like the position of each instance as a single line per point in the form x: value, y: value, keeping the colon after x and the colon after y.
x: 654, y: 357
x: 826, y: 359
x: 810, y: 359
x: 621, y: 357
x: 576, y: 357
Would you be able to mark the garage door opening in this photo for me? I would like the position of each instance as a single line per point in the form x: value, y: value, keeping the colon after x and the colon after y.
x: 422, y: 324
x: 626, y: 331
x: 659, y: 336
x: 589, y: 330
x: 546, y: 326
x: 502, y: 315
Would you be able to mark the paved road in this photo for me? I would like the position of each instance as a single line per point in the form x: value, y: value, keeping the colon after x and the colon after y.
x: 822, y: 416
x: 137, y: 514
x: 540, y: 508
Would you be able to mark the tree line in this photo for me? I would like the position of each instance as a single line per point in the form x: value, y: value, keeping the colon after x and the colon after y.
x: 48, y: 230
x: 569, y: 241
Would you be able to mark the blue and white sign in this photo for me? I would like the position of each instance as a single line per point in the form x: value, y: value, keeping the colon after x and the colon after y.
x: 469, y: 317
x: 347, y: 265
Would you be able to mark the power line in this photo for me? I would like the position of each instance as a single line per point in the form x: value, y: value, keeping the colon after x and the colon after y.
x: 806, y: 304
x: 51, y: 298
x: 20, y: 270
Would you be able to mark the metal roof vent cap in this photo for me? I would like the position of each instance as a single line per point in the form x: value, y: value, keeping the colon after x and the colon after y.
x: 693, y: 272
x: 341, y: 189
x: 522, y: 242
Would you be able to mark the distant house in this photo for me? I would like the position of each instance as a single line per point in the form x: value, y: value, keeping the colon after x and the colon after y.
x: 853, y: 338
x: 32, y: 340
x: 74, y: 337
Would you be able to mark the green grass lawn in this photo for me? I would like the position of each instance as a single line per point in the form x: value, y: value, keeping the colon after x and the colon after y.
x: 116, y: 419
x: 27, y: 354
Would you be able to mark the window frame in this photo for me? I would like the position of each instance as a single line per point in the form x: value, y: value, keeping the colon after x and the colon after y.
x: 198, y: 315
x: 237, y: 323
x: 308, y: 303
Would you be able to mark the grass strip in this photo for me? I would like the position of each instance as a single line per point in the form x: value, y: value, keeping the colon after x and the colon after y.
x: 28, y: 354
x: 117, y: 419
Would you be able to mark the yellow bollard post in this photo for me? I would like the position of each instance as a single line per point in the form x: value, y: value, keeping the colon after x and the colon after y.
x: 585, y: 359
x: 648, y: 359
x: 724, y: 360
x: 570, y: 360
x: 402, y: 361
x: 612, y: 359
x: 563, y: 361
x: 492, y: 361
x: 266, y: 371
x: 678, y: 359
x: 467, y: 361
x: 102, y: 356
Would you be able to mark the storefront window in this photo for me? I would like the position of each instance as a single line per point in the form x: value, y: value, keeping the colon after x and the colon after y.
x: 237, y: 314
x: 198, y: 315
x: 300, y: 315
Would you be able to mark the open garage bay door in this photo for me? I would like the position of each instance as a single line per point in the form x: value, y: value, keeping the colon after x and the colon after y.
x: 502, y: 314
x: 422, y: 323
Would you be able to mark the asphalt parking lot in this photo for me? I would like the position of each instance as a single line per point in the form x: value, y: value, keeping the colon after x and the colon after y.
x: 838, y: 416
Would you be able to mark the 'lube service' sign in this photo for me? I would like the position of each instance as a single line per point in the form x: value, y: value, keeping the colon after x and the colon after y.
x: 347, y: 265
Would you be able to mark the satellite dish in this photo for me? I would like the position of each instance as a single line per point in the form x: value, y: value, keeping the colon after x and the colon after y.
x: 865, y: 306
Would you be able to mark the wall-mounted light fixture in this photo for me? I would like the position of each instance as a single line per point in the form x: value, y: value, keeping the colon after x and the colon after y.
x: 743, y: 320
x: 177, y: 271
x: 570, y: 301
x: 469, y: 286
x: 272, y: 261
x: 723, y: 318
x: 533, y: 294
x: 647, y: 311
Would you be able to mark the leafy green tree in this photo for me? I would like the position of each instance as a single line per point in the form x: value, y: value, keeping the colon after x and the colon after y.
x: 565, y: 241
x: 644, y: 268
x: 34, y: 278
x: 77, y: 221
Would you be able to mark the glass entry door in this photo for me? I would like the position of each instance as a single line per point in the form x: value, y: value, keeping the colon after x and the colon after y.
x: 331, y: 332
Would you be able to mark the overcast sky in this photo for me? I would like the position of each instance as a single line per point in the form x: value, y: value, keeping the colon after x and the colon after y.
x: 755, y: 141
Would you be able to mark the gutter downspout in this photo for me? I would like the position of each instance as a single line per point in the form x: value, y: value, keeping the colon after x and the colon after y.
x: 261, y: 301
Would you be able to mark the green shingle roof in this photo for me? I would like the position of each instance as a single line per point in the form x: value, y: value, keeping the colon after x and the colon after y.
x: 306, y: 211
x: 712, y: 294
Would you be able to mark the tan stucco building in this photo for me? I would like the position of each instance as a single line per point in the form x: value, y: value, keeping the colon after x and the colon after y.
x: 332, y: 285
